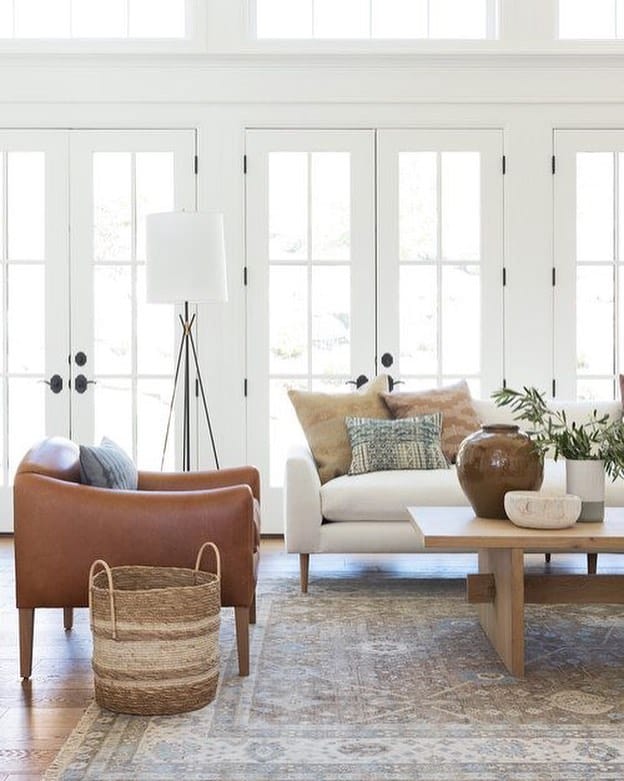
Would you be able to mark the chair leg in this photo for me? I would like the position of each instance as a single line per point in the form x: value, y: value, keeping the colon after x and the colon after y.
x: 252, y: 610
x: 304, y: 571
x: 68, y: 617
x: 592, y: 563
x: 547, y: 557
x: 26, y: 629
x: 241, y: 614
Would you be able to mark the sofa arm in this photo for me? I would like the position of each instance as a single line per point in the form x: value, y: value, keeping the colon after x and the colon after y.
x: 302, y: 502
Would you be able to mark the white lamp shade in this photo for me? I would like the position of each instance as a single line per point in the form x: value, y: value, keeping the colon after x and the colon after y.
x: 185, y: 257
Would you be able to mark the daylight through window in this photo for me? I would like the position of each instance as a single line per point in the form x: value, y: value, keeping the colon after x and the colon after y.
x: 376, y: 19
x: 591, y: 19
x: 112, y: 19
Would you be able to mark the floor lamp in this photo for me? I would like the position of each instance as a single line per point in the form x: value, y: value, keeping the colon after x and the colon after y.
x: 186, y: 264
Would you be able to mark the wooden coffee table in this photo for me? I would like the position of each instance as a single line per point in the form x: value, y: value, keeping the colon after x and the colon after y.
x: 501, y: 589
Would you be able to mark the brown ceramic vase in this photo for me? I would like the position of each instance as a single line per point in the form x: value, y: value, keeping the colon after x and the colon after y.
x: 494, y: 460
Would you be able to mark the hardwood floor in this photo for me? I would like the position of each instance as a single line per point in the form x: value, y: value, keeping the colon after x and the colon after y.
x: 36, y: 716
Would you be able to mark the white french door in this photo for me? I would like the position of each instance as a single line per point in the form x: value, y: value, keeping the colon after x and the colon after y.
x: 34, y: 326
x: 367, y: 251
x: 589, y: 263
x: 116, y: 179
x: 441, y: 256
x: 310, y: 254
x: 83, y: 355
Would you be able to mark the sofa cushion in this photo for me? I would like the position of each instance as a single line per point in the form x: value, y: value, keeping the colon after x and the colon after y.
x: 322, y: 417
x: 384, y: 496
x: 459, y: 418
x: 411, y: 443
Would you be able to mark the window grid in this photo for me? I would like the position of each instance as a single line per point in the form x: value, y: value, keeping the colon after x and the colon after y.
x: 490, y: 30
x: 11, y: 31
x: 586, y: 380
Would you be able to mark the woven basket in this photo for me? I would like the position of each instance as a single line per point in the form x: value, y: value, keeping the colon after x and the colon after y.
x: 155, y: 636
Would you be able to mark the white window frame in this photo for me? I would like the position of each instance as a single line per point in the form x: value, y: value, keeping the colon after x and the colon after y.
x: 492, y: 34
x: 193, y: 41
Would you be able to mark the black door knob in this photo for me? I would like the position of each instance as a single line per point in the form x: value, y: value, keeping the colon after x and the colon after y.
x: 359, y: 381
x: 387, y: 360
x: 81, y: 382
x: 80, y: 358
x: 55, y: 382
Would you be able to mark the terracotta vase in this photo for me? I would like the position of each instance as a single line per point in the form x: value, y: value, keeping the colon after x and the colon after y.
x: 494, y: 460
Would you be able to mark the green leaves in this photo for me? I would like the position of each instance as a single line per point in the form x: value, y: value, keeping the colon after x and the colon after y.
x: 598, y: 439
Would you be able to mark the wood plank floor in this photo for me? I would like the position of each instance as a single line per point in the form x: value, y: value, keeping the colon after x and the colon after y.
x: 36, y: 716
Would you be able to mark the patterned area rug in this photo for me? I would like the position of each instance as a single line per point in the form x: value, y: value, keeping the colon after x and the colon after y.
x: 372, y: 679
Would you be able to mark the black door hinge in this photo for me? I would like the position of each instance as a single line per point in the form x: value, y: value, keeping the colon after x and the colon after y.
x: 196, y: 164
x: 554, y: 165
x: 245, y: 276
x: 504, y: 164
x: 504, y: 276
x: 196, y: 388
x: 504, y: 383
x: 244, y: 164
x: 554, y: 277
x: 245, y: 387
x: 554, y: 388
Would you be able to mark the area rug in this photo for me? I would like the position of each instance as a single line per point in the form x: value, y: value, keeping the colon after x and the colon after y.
x: 368, y: 679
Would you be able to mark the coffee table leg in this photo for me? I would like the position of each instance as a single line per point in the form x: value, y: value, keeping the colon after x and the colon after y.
x: 503, y: 619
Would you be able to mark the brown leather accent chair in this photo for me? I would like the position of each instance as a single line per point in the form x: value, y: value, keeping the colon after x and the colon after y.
x: 62, y: 526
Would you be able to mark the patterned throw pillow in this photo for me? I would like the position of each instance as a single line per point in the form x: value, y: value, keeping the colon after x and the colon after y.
x: 411, y: 443
x: 459, y: 418
x: 322, y: 417
x: 107, y: 466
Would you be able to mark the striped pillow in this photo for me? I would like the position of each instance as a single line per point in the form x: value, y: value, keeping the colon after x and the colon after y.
x: 410, y: 443
x: 107, y: 466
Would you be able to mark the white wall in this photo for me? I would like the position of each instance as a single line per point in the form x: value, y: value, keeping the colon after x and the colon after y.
x: 527, y: 95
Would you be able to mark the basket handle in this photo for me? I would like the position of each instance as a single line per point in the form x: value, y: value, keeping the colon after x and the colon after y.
x: 111, y: 596
x: 217, y: 556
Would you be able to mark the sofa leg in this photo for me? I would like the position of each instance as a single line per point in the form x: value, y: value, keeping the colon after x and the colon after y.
x: 252, y: 610
x: 304, y: 571
x: 26, y: 628
x: 68, y: 617
x: 547, y: 557
x: 241, y: 614
x: 592, y: 563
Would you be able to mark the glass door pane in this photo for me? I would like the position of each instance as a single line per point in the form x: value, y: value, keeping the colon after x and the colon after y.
x: 119, y: 178
x: 310, y: 229
x: 440, y: 256
x: 34, y: 289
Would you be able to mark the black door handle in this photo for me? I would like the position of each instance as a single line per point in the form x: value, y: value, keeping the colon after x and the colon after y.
x: 358, y: 382
x: 55, y: 382
x: 81, y: 382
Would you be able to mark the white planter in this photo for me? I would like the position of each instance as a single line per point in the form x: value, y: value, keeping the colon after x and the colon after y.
x: 586, y: 479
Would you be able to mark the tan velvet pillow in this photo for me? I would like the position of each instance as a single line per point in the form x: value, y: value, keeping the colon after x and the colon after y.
x: 459, y: 418
x: 322, y: 417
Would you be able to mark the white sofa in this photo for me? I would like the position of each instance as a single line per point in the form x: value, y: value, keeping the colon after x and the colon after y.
x: 367, y: 513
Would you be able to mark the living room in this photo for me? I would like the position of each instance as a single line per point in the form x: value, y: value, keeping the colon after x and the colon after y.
x: 424, y: 189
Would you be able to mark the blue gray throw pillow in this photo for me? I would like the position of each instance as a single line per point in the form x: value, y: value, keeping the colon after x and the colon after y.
x: 408, y: 443
x: 107, y: 466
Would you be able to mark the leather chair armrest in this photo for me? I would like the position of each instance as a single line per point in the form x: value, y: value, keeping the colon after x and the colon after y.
x: 62, y: 527
x: 193, y: 481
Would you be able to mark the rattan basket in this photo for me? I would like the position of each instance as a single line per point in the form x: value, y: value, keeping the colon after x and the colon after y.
x: 155, y: 636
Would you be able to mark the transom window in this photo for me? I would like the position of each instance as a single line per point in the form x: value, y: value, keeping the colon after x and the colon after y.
x: 112, y: 19
x: 587, y: 19
x: 376, y: 19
